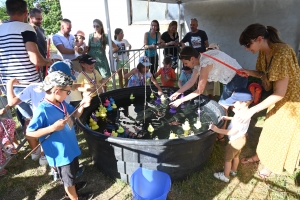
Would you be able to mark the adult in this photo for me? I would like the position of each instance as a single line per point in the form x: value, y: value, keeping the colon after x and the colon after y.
x: 64, y: 42
x: 19, y: 52
x: 151, y: 40
x: 170, y: 39
x: 196, y: 38
x: 35, y: 20
x: 97, y: 45
x: 209, y: 70
x: 279, y: 142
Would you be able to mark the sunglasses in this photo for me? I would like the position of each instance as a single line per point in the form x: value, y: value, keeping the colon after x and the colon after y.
x: 68, y: 91
x: 96, y: 26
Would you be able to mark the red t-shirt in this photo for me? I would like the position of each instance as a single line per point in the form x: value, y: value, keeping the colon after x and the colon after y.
x: 170, y: 73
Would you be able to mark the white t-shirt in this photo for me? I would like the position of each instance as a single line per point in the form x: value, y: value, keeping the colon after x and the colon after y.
x: 235, y: 124
x: 219, y: 72
x: 122, y: 46
x: 30, y: 94
x: 75, y: 95
x: 68, y: 43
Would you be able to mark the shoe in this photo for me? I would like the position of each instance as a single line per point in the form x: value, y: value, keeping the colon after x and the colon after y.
x: 80, y: 171
x: 221, y: 176
x: 80, y: 185
x: 88, y: 196
x: 43, y: 161
x: 36, y: 154
x: 232, y: 173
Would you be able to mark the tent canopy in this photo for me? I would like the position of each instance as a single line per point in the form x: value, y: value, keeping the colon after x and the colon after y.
x: 174, y: 1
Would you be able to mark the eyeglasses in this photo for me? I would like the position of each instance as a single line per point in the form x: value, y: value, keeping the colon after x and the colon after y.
x: 96, y: 26
x: 68, y: 91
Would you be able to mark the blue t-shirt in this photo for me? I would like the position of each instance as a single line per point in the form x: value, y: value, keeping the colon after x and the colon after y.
x: 184, y: 77
x: 61, y: 147
x: 138, y: 79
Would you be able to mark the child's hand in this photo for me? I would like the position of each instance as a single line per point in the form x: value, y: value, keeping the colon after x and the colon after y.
x: 59, y: 125
x: 86, y: 101
x: 160, y: 92
x: 211, y: 127
x: 2, y: 111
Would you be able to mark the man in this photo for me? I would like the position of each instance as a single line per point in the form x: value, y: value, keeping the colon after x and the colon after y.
x: 19, y: 53
x: 196, y: 38
x: 64, y: 42
x: 36, y: 20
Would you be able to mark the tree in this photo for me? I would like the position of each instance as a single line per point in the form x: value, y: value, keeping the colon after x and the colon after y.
x: 3, y: 15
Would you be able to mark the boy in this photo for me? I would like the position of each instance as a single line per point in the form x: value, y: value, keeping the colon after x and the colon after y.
x: 185, y: 75
x: 168, y: 76
x: 79, y: 44
x: 52, y: 117
x: 236, y: 131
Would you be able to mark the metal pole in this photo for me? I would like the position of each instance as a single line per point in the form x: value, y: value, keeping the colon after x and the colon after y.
x: 111, y: 59
x: 179, y: 35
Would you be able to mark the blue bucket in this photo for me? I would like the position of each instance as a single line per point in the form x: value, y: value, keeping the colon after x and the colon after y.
x: 150, y: 184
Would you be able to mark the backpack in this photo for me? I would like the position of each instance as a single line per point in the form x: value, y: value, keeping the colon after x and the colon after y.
x: 256, y: 91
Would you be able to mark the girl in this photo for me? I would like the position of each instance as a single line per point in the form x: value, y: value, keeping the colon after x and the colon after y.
x: 89, y: 78
x: 138, y: 74
x: 122, y: 57
x: 151, y: 39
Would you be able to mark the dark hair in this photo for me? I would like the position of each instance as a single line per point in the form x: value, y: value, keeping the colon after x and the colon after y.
x: 167, y: 60
x: 65, y: 20
x: 155, y: 21
x: 255, y: 30
x: 16, y: 7
x: 34, y: 11
x: 173, y: 23
x: 103, y: 39
x: 188, y: 52
x: 140, y: 66
x: 117, y: 32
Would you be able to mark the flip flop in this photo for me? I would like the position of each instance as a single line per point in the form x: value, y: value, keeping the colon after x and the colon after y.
x: 249, y: 160
x: 263, y: 176
x: 9, y: 149
x: 222, y: 139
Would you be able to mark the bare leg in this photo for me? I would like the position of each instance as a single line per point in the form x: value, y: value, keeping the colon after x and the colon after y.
x: 235, y: 164
x: 227, y: 168
x: 126, y: 79
x: 221, y: 137
x: 71, y: 191
x: 120, y: 73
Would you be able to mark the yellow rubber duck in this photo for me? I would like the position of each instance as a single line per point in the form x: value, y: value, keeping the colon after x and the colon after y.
x: 95, y: 127
x: 152, y: 95
x: 131, y: 97
x: 162, y: 97
x: 172, y: 135
x: 156, y: 138
x: 150, y: 128
x: 102, y: 114
x: 114, y: 106
x: 114, y: 134
x: 91, y: 120
x: 198, y: 124
x: 120, y: 129
x: 97, y: 114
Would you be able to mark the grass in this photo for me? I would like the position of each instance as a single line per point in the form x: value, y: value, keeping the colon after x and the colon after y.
x: 27, y: 180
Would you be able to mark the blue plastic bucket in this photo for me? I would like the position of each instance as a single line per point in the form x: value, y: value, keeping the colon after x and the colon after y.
x: 150, y: 184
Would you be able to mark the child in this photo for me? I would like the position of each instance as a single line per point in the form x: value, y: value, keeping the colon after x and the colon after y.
x: 56, y: 58
x: 52, y: 117
x: 185, y: 75
x: 121, y: 57
x: 89, y: 79
x: 236, y: 131
x: 138, y: 74
x: 167, y: 73
x: 79, y: 44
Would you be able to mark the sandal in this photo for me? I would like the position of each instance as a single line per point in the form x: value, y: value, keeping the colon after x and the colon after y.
x: 3, y: 172
x: 264, y: 174
x: 9, y: 149
x: 221, y: 139
x: 249, y: 160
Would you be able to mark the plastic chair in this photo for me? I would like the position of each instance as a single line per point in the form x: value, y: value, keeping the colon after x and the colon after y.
x: 150, y: 184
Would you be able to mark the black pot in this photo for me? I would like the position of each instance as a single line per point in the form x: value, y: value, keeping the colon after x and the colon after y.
x: 120, y: 157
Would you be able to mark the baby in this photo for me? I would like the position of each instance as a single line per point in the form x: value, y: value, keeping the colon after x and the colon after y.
x: 79, y: 44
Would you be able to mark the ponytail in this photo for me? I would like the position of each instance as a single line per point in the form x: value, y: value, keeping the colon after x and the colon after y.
x: 117, y: 32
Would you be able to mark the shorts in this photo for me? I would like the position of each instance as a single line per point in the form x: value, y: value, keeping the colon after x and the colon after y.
x: 67, y: 173
x: 24, y: 107
x: 233, y: 148
x: 121, y: 63
x: 236, y: 82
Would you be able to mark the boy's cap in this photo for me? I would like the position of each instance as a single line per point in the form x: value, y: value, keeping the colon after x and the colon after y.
x: 86, y: 58
x: 56, y: 57
x: 186, y: 68
x: 145, y: 61
x: 241, y: 94
x: 56, y: 78
x: 63, y: 66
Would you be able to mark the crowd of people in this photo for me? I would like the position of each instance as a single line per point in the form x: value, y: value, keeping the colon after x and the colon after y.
x: 80, y: 70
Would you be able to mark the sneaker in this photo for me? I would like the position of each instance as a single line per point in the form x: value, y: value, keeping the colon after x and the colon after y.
x: 88, y: 196
x: 43, y: 161
x: 36, y: 154
x: 232, y: 173
x: 221, y: 176
x: 80, y: 171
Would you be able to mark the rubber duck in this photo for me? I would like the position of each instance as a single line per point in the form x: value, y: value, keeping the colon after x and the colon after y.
x: 112, y: 101
x: 102, y: 114
x: 156, y: 138
x: 173, y: 110
x: 198, y: 123
x: 152, y: 95
x: 120, y: 129
x: 114, y: 106
x: 158, y: 101
x: 150, y: 128
x: 94, y: 123
x: 106, y: 102
x: 162, y: 97
x: 131, y: 97
x: 97, y: 114
x: 172, y: 135
x: 105, y: 132
x: 95, y: 127
x: 109, y: 108
x: 114, y: 134
x: 91, y: 119
x: 186, y: 125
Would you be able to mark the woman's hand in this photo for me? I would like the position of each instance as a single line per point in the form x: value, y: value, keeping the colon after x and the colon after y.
x: 247, y: 115
x: 212, y: 127
x: 174, y: 96
x: 170, y: 43
x: 176, y: 103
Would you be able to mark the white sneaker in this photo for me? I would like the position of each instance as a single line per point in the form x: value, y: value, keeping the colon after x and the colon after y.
x: 221, y: 176
x: 36, y: 154
x: 43, y: 161
x: 232, y: 173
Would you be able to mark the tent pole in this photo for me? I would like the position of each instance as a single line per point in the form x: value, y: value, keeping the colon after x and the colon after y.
x: 179, y: 68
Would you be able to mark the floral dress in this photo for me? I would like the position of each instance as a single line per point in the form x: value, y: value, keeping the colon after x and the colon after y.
x: 10, y: 126
x: 98, y: 54
x: 279, y: 142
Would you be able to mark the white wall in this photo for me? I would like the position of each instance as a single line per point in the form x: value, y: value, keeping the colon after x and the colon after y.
x: 225, y: 20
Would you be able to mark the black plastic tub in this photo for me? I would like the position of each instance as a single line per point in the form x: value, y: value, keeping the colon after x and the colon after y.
x: 120, y: 157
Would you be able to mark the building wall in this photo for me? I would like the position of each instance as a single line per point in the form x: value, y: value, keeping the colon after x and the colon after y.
x: 225, y: 20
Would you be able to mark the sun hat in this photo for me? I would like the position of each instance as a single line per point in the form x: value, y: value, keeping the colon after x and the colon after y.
x: 145, y: 61
x: 240, y: 94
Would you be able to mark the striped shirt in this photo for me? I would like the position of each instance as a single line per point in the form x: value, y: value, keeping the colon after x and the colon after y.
x: 14, y: 58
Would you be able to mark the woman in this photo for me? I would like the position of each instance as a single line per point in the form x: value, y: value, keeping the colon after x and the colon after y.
x: 209, y: 70
x: 279, y: 142
x: 97, y: 45
x: 170, y: 39
x: 151, y: 40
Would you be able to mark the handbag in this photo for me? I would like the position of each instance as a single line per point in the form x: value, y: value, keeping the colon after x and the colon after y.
x: 266, y: 83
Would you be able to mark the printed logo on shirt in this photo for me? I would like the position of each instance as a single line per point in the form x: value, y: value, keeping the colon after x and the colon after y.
x: 196, y: 41
x: 121, y: 47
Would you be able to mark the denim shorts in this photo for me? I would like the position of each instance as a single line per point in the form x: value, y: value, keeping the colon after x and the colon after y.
x: 24, y: 107
x: 237, y: 82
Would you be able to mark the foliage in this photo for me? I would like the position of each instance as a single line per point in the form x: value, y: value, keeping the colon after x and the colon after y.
x: 3, y: 14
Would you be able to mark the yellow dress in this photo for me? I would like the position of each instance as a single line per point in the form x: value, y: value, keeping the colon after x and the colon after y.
x: 279, y: 142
